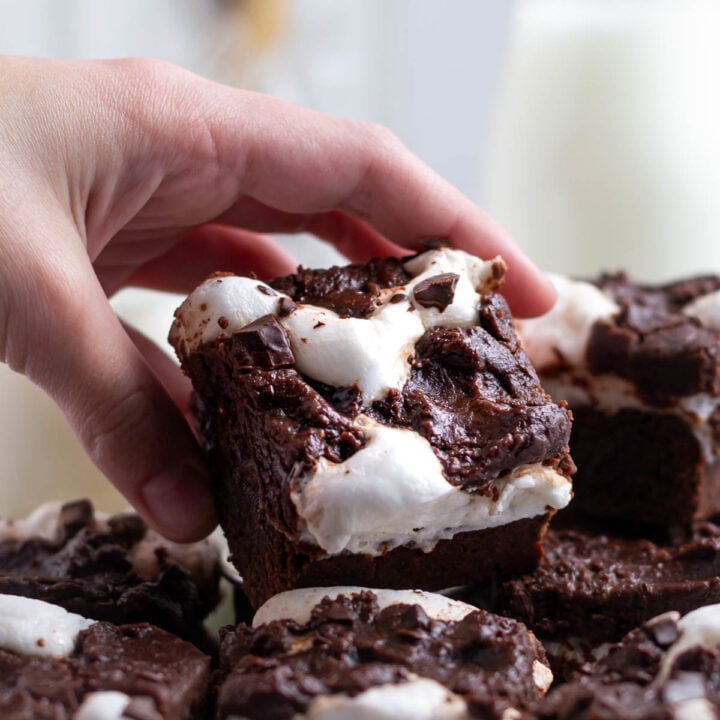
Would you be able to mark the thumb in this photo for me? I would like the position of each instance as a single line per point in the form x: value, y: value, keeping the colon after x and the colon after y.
x: 70, y: 343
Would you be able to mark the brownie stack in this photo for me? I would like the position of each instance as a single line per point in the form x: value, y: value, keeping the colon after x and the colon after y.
x: 640, y: 370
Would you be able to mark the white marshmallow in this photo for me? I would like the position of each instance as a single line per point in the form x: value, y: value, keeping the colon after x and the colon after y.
x: 417, y: 699
x: 372, y: 353
x: 36, y: 628
x: 699, y: 628
x: 42, y: 523
x: 393, y: 492
x: 103, y: 705
x: 297, y: 605
x: 706, y: 309
x: 564, y: 332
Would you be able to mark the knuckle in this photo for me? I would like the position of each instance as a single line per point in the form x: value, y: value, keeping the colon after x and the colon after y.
x: 381, y: 137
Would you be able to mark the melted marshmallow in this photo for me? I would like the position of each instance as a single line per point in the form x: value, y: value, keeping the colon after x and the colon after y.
x: 699, y: 628
x: 371, y: 352
x: 706, y: 309
x: 36, y: 628
x: 298, y: 605
x: 103, y: 705
x: 418, y: 699
x: 564, y: 332
x: 41, y: 523
x: 351, y: 506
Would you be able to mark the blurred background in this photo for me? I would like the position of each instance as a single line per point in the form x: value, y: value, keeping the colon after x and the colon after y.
x: 589, y: 128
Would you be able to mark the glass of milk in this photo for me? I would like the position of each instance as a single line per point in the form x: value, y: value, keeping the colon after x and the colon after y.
x: 606, y: 140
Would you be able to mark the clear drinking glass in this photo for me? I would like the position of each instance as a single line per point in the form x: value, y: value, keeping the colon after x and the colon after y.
x: 606, y: 141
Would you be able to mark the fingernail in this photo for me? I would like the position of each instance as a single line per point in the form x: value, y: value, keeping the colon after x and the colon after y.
x: 180, y: 503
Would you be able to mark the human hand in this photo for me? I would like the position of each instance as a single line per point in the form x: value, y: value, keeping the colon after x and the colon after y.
x: 135, y: 172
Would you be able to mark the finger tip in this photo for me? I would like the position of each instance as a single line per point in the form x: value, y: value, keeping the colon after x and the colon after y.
x: 178, y: 503
x: 529, y: 291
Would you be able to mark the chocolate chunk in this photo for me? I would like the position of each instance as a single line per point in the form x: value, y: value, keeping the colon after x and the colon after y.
x: 435, y: 243
x: 74, y: 516
x: 350, y: 291
x: 286, y: 307
x: 437, y: 291
x: 263, y: 343
x: 265, y: 290
x: 663, y: 629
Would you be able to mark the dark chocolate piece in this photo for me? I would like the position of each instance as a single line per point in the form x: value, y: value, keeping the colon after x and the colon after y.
x: 166, y: 677
x: 263, y: 343
x: 437, y: 291
x: 349, y: 645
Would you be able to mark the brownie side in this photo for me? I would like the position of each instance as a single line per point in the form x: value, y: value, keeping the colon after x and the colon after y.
x: 641, y: 466
x: 597, y: 586
x: 89, y: 569
x: 350, y: 645
x: 271, y: 562
x: 166, y: 677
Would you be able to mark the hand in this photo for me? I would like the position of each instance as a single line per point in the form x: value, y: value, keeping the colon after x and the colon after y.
x: 137, y: 172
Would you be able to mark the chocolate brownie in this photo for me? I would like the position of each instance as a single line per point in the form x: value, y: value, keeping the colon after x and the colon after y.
x: 640, y: 368
x: 376, y: 424
x: 352, y: 652
x: 56, y: 665
x: 668, y: 669
x: 594, y: 585
x: 109, y: 568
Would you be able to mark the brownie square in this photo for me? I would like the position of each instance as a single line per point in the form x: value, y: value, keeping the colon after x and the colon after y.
x: 374, y: 424
x: 639, y: 366
x: 110, y: 568
x: 56, y: 665
x: 353, y: 652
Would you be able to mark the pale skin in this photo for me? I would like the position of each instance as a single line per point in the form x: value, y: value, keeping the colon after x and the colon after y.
x: 135, y: 172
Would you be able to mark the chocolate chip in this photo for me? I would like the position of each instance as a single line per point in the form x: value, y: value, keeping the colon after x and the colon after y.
x: 398, y: 298
x: 74, y: 516
x: 437, y: 291
x: 265, y: 290
x: 128, y: 528
x: 435, y: 243
x: 223, y: 322
x: 286, y: 306
x: 263, y: 343
x: 663, y: 629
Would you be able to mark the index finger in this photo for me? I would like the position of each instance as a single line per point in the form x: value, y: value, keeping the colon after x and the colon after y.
x: 301, y: 161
